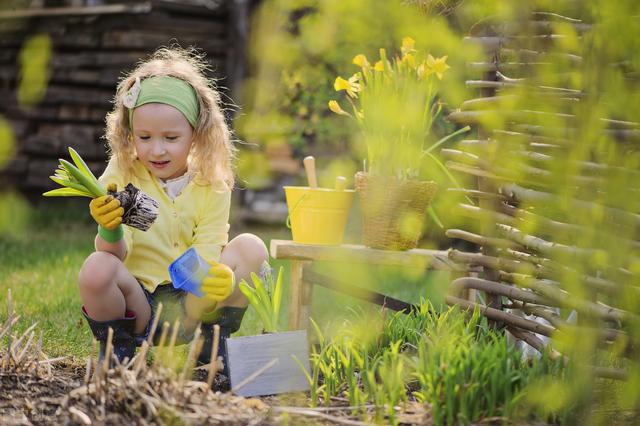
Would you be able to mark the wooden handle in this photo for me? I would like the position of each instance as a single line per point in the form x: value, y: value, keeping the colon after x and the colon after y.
x: 310, y: 167
x: 341, y: 183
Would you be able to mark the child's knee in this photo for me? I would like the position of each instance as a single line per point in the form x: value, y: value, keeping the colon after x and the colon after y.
x: 253, y: 249
x: 98, y: 271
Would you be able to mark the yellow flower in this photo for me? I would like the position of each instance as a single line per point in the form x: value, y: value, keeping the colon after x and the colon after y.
x: 438, y: 66
x: 423, y: 70
x: 335, y: 107
x: 361, y: 61
x: 408, y: 45
x: 351, y: 86
x: 409, y: 60
x: 379, y: 66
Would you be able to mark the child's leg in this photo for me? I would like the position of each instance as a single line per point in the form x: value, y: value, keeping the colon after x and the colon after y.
x: 243, y: 254
x: 108, y: 289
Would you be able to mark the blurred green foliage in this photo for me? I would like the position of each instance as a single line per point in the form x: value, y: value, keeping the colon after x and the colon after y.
x: 34, y: 59
x: 33, y: 64
x: 297, y: 49
x: 577, y: 172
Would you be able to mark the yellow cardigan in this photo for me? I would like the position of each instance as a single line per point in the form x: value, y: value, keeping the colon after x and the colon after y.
x: 198, y: 217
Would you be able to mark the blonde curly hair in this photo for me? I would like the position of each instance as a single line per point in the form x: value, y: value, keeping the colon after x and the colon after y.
x: 212, y: 154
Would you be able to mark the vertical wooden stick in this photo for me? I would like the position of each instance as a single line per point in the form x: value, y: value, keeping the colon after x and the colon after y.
x: 192, y: 353
x: 213, y: 365
x: 310, y: 167
x: 107, y: 351
x: 154, y: 325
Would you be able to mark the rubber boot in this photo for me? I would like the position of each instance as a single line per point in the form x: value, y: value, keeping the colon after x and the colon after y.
x: 229, y: 319
x: 123, y: 340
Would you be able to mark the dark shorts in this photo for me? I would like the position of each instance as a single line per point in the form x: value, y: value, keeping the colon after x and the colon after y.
x: 173, y: 308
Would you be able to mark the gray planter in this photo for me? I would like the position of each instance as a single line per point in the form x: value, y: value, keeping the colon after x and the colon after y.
x: 250, y: 354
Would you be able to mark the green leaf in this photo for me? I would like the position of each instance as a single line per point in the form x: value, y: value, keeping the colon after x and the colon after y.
x: 257, y: 303
x: 434, y: 216
x: 66, y: 192
x: 277, y: 296
x: 445, y: 139
x: 93, y: 187
x: 70, y: 184
x: 82, y: 166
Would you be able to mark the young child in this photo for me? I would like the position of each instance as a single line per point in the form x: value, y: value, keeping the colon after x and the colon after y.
x: 168, y: 137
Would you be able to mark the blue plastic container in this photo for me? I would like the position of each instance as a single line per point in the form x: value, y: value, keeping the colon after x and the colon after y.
x: 188, y: 271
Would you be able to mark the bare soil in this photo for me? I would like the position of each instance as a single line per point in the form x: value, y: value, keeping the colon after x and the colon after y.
x: 29, y: 400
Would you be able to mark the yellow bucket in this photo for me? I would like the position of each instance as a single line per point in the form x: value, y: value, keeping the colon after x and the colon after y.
x: 318, y: 215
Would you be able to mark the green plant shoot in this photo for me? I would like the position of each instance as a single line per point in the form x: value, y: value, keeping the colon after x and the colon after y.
x: 76, y: 180
x: 265, y: 296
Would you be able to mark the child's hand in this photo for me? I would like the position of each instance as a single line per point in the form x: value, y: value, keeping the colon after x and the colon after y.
x: 219, y: 283
x: 106, y: 210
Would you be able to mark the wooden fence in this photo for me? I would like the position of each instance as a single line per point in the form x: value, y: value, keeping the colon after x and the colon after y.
x: 541, y: 257
x: 91, y: 47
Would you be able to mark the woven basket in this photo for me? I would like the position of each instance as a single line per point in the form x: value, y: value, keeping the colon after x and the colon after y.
x: 387, y: 204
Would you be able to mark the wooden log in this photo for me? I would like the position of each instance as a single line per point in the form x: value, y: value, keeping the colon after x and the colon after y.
x: 479, y: 214
x: 480, y: 239
x: 596, y: 283
x: 504, y: 317
x: 562, y: 298
x: 563, y: 231
x: 546, y: 248
x: 500, y: 263
x: 498, y: 85
x: 70, y: 11
x: 148, y: 40
x: 529, y: 196
x: 495, y: 43
x: 473, y: 193
x: 549, y: 296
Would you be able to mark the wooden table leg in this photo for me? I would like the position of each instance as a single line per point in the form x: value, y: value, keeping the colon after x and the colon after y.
x: 295, y: 294
x: 299, y: 297
x: 306, y: 299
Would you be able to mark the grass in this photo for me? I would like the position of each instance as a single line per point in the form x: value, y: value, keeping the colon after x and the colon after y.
x: 40, y: 264
x: 455, y: 362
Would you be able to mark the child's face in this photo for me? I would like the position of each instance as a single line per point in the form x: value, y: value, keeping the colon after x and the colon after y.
x: 162, y: 137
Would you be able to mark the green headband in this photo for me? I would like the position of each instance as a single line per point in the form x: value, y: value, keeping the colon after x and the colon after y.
x: 164, y: 90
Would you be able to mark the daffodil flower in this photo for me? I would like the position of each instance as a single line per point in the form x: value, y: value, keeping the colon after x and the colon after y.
x: 423, y: 71
x: 361, y: 61
x: 409, y: 60
x: 335, y: 107
x: 351, y: 86
x: 379, y: 66
x: 407, y: 46
x: 438, y: 66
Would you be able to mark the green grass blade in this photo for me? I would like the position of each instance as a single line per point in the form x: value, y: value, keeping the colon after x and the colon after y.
x: 450, y: 176
x: 446, y: 139
x: 434, y: 217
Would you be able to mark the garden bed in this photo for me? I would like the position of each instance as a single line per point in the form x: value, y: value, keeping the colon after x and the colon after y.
x: 31, y: 400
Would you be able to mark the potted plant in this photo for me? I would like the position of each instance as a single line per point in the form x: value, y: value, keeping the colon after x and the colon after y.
x: 395, y: 105
x: 264, y: 364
